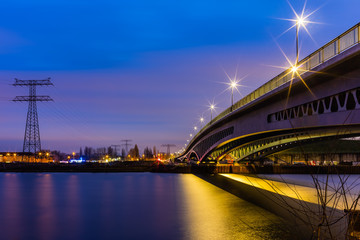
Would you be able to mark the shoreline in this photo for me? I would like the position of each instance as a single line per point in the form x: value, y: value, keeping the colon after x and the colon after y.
x: 149, y: 166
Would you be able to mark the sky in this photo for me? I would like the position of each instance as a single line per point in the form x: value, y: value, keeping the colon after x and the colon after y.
x: 145, y: 70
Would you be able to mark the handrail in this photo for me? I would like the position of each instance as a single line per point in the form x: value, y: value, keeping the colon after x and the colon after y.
x: 333, y: 48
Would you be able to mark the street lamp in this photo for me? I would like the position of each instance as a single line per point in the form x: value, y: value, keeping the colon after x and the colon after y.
x: 233, y: 85
x: 212, y: 108
x: 201, y: 121
x: 300, y: 21
x: 195, y: 128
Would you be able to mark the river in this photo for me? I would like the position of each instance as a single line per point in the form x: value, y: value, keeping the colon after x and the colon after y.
x: 127, y: 206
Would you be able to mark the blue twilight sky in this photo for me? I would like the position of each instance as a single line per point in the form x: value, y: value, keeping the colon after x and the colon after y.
x: 144, y: 70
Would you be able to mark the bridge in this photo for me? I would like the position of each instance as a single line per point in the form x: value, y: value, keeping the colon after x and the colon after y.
x: 316, y: 101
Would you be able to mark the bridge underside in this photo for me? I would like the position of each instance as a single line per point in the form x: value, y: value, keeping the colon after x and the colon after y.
x: 258, y: 146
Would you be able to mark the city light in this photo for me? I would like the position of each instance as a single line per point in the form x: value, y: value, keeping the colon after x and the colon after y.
x: 195, y: 128
x: 212, y: 108
x: 301, y: 20
x: 233, y: 85
x: 294, y: 69
x: 202, y: 122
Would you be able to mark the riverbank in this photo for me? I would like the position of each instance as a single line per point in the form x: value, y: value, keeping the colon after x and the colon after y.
x: 149, y: 166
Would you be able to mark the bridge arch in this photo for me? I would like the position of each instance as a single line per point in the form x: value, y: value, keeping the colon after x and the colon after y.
x: 241, y: 150
x: 193, y: 157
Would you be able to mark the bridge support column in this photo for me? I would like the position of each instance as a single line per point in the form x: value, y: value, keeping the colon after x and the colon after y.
x: 357, y: 100
x: 327, y: 109
x: 341, y: 108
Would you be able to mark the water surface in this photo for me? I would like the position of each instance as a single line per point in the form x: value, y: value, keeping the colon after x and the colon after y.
x: 127, y: 206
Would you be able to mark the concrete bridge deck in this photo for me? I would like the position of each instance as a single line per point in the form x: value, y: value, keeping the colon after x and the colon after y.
x: 311, y: 210
x: 302, y: 187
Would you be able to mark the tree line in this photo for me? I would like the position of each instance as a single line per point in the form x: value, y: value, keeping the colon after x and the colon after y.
x: 90, y: 153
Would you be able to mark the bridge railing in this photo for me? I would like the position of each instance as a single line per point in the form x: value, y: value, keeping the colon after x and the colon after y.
x: 343, y: 42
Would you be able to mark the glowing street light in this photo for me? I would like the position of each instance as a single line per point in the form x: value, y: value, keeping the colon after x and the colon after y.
x: 202, y: 121
x: 195, y: 128
x: 294, y: 69
x: 212, y: 108
x: 191, y: 135
x: 300, y: 21
x: 233, y: 85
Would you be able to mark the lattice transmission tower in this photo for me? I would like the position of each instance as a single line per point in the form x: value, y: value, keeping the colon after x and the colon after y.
x: 168, y: 146
x: 126, y: 144
x: 32, y: 142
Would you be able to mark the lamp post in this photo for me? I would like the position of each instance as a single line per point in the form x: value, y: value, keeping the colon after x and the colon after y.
x: 201, y: 121
x: 212, y: 108
x: 300, y: 21
x: 233, y: 85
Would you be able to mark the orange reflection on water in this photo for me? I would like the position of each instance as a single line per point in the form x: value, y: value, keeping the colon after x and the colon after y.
x: 212, y: 213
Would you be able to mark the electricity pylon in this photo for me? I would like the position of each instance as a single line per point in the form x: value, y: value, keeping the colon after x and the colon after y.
x: 32, y: 142
x: 168, y: 146
x: 126, y: 144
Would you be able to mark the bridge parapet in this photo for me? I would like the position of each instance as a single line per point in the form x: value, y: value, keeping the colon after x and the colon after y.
x: 343, y: 42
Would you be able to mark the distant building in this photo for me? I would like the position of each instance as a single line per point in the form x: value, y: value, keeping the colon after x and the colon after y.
x: 41, y: 157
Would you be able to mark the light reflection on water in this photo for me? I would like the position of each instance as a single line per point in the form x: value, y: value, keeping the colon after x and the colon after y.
x: 216, y: 214
x: 126, y: 206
